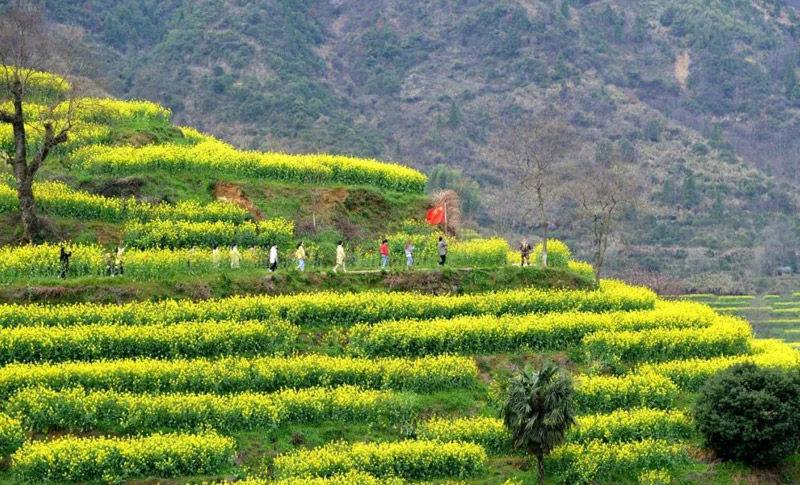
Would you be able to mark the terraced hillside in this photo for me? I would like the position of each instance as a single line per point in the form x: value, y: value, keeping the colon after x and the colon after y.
x: 329, y: 384
x: 772, y: 316
x: 386, y: 377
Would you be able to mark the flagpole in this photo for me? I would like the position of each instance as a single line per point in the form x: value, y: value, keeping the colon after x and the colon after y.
x: 445, y: 218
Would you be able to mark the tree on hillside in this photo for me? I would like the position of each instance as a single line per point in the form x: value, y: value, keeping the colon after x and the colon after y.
x: 777, y: 249
x: 27, y: 50
x: 536, y: 149
x: 750, y: 414
x: 449, y: 197
x: 538, y: 411
x: 602, y: 187
x: 443, y: 177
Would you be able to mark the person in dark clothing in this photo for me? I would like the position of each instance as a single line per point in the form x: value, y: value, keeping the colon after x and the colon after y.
x: 442, y: 251
x: 525, y: 252
x: 64, y: 258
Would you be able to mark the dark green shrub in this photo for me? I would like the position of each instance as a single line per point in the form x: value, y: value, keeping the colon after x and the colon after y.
x: 750, y: 414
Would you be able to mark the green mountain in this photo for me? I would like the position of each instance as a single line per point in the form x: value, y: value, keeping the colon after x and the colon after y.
x: 702, y: 95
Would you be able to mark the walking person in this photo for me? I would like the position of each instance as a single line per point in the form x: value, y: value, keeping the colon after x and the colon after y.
x: 216, y: 257
x: 409, y: 254
x: 119, y: 266
x: 442, y: 251
x: 300, y: 256
x: 273, y: 257
x: 340, y: 256
x: 64, y: 259
x: 191, y: 259
x: 525, y: 252
x: 236, y: 257
x: 384, y: 253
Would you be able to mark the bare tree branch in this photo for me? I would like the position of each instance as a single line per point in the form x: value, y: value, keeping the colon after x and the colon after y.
x: 535, y: 150
x: 26, y: 49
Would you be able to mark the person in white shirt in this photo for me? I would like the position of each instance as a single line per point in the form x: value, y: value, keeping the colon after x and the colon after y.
x: 340, y: 256
x: 216, y: 257
x: 236, y: 257
x: 273, y: 258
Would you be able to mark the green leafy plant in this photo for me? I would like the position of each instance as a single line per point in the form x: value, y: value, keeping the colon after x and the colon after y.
x: 750, y: 414
x: 538, y: 411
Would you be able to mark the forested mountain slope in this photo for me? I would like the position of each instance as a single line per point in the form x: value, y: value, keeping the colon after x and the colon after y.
x: 702, y: 94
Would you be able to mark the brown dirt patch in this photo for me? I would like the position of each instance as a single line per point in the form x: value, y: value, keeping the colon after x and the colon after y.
x: 233, y: 193
x: 333, y: 198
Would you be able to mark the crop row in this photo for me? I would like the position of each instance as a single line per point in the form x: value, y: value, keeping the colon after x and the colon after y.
x: 183, y: 340
x: 602, y: 462
x: 217, y: 157
x: 602, y: 394
x: 183, y: 234
x: 412, y: 459
x: 42, y: 261
x: 727, y: 336
x: 79, y: 135
x: 113, y: 460
x: 12, y: 435
x: 491, y: 334
x: 690, y: 374
x: 231, y: 375
x: 336, y: 309
x: 77, y: 410
x: 350, y: 478
x: 58, y: 199
x: 619, y: 426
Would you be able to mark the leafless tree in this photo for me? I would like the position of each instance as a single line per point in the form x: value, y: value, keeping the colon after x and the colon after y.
x: 536, y: 148
x: 27, y: 48
x: 602, y: 187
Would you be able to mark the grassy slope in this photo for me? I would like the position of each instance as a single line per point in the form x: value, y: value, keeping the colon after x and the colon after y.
x: 449, y: 281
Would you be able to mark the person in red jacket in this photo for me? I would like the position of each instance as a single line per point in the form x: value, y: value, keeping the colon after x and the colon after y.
x: 384, y: 253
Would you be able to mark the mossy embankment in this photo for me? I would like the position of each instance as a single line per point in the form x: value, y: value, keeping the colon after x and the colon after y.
x: 447, y: 281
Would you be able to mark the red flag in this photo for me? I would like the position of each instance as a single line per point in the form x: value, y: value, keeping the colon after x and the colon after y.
x: 436, y: 215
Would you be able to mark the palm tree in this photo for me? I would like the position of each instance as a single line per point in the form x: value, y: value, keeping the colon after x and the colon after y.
x: 538, y: 411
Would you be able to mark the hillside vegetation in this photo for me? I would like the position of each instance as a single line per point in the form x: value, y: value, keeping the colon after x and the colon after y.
x: 702, y: 96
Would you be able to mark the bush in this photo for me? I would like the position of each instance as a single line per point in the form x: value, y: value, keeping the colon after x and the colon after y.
x: 750, y: 414
x: 558, y: 254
